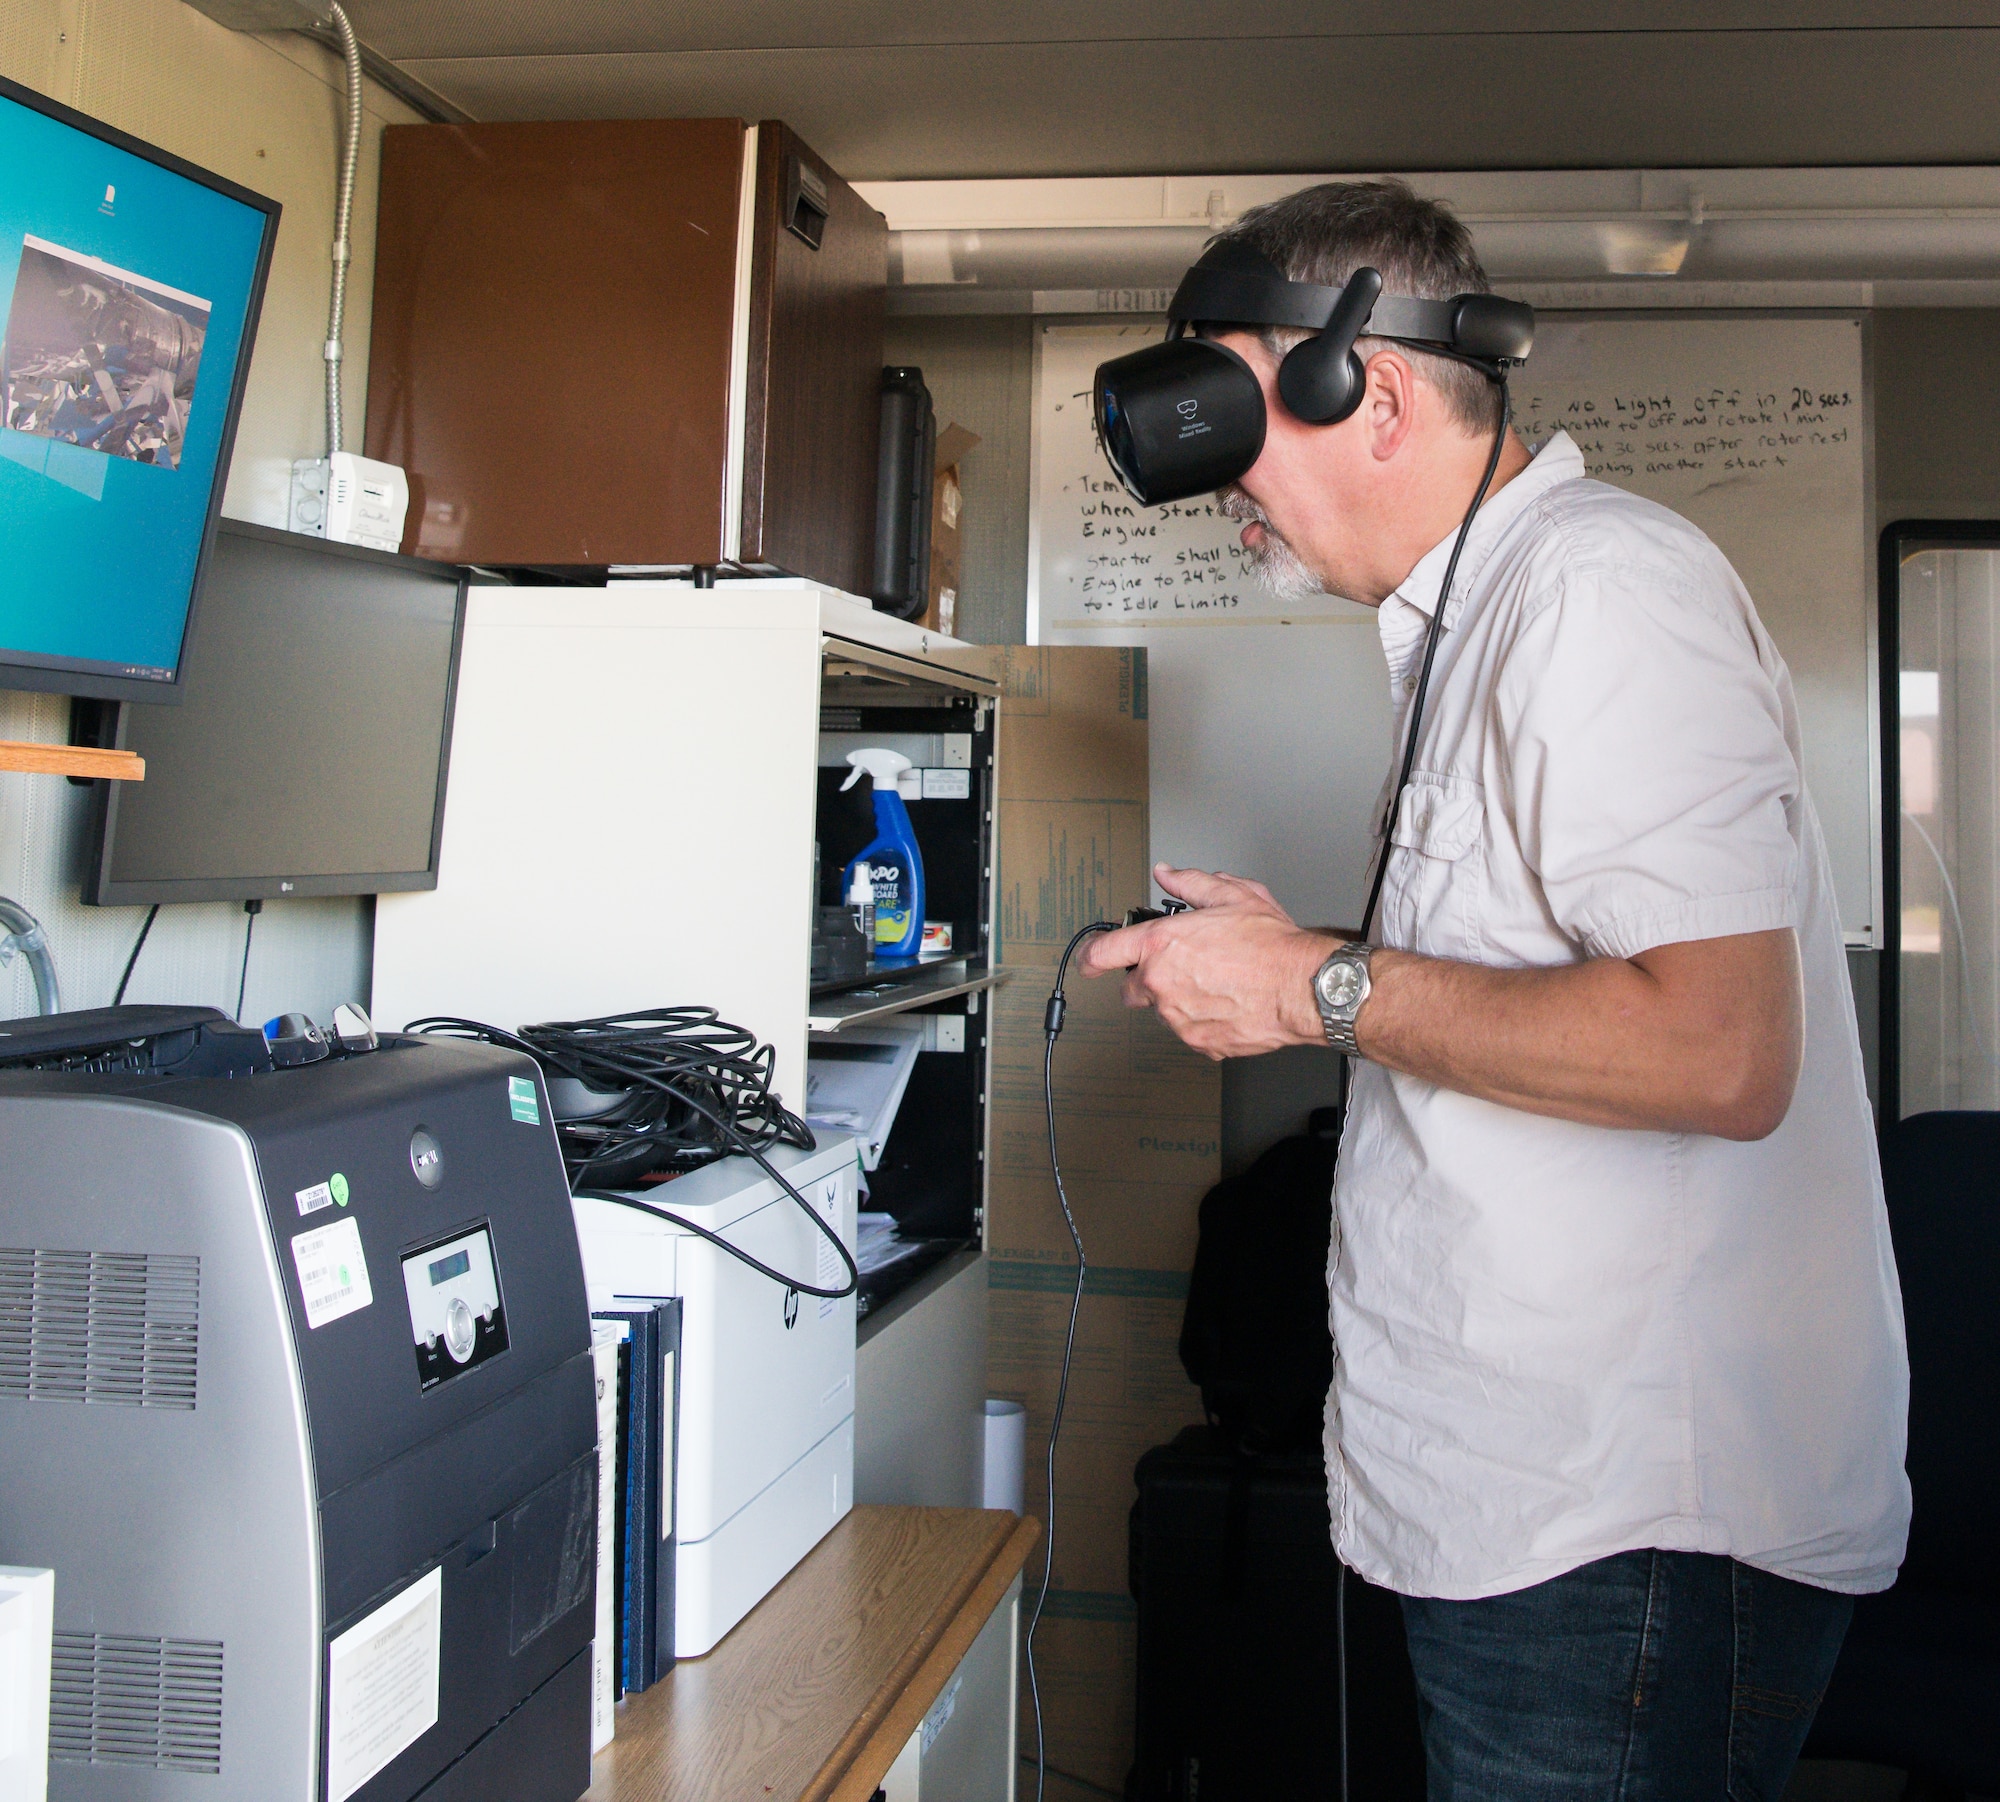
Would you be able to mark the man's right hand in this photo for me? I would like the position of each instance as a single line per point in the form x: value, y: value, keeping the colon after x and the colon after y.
x: 1232, y: 977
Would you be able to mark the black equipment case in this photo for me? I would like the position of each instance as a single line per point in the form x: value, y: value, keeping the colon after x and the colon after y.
x: 1233, y: 1571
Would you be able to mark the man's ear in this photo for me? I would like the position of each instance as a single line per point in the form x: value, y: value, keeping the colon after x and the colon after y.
x: 1388, y: 410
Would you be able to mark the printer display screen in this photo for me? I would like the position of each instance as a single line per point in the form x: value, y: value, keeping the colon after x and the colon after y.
x: 456, y: 1317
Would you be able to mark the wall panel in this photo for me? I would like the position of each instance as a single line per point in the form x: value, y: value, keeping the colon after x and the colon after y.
x: 264, y: 111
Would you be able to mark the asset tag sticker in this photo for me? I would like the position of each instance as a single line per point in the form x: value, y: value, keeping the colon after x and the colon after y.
x: 521, y: 1098
x: 333, y: 1275
x: 382, y: 1685
x: 310, y: 1201
x: 947, y: 785
x: 941, y: 1712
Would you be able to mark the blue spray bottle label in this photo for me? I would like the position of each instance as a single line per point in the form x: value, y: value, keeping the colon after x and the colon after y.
x: 893, y: 866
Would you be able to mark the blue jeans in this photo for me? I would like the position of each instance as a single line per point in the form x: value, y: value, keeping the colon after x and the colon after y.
x: 1647, y: 1677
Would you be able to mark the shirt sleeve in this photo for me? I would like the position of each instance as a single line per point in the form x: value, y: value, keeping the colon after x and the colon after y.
x: 1652, y: 783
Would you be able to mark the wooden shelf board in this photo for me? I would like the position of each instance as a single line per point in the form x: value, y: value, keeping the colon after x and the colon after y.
x: 815, y: 1691
x: 71, y: 760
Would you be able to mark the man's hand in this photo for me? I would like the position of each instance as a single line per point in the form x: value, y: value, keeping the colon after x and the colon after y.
x: 1233, y: 977
x: 1700, y: 1037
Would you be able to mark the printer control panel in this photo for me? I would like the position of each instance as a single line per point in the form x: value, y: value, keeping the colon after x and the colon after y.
x: 456, y: 1317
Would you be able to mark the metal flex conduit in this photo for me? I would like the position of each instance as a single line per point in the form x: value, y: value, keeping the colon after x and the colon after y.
x: 350, y: 157
x: 21, y: 931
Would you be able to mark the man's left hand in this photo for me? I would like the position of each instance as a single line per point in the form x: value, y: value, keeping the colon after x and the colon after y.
x: 1232, y: 977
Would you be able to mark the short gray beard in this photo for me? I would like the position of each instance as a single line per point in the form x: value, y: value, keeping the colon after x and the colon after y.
x: 1278, y: 567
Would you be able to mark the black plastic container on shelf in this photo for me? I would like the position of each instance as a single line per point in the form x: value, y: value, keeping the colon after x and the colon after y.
x: 1233, y: 1571
x: 903, y: 494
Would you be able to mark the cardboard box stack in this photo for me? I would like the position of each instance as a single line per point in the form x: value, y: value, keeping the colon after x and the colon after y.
x: 1139, y: 1123
x: 947, y: 500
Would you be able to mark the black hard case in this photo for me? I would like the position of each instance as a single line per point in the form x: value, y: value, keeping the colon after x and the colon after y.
x: 1233, y: 1571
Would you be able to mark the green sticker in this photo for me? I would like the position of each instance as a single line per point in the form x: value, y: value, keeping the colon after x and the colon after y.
x: 338, y: 1184
x: 521, y: 1098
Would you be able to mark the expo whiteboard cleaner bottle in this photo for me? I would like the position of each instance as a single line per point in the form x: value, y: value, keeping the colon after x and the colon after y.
x: 891, y: 863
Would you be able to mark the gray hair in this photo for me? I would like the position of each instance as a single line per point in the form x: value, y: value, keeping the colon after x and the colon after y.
x: 1421, y: 248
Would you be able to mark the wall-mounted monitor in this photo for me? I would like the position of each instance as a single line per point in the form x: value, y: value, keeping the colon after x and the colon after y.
x: 130, y: 284
x: 309, y: 753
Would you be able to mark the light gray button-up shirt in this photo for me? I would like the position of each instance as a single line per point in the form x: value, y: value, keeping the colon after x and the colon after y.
x: 1556, y: 1342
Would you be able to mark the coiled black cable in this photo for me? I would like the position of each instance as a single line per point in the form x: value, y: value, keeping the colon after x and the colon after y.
x: 690, y: 1087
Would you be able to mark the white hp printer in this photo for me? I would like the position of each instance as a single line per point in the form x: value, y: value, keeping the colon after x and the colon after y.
x: 297, y: 1401
x: 766, y: 1442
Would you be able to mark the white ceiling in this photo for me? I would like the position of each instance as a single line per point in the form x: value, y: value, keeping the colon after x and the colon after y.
x: 895, y: 89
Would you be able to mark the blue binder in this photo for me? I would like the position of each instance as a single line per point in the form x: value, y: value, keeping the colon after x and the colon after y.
x: 649, y: 1419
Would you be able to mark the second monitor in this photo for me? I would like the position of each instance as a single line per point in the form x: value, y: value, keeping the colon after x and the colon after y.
x: 310, y: 752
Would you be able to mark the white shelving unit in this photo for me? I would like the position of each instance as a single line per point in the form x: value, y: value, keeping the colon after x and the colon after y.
x: 635, y: 792
x: 630, y: 813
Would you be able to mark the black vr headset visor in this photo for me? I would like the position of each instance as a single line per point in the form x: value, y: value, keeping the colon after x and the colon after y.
x: 1186, y: 417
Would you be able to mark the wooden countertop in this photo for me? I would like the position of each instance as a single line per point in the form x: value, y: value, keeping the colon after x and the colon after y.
x: 814, y: 1692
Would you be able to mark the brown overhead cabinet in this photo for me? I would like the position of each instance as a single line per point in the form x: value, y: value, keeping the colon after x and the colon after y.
x: 652, y: 342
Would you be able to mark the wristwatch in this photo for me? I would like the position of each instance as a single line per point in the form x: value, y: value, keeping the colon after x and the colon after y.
x: 1340, y: 986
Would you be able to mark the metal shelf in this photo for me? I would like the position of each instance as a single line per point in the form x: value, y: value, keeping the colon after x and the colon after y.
x: 916, y: 986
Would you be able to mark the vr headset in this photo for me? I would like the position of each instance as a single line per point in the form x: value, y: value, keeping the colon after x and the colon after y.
x: 1187, y: 416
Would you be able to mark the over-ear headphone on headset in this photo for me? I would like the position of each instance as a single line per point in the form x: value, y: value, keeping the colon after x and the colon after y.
x: 1187, y: 417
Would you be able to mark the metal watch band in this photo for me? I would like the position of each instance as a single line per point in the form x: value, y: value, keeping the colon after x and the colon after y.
x: 1340, y: 987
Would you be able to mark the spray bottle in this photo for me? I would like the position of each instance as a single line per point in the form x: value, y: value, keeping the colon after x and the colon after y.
x: 891, y: 863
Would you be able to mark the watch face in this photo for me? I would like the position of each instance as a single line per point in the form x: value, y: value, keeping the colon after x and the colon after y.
x: 1340, y: 986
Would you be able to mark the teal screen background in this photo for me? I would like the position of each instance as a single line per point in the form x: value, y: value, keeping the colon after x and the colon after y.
x: 99, y: 550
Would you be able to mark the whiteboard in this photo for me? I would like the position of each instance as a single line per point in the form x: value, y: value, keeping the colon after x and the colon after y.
x: 1753, y: 428
x: 1096, y: 558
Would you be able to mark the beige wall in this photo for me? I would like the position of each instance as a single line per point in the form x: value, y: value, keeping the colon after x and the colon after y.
x: 264, y: 111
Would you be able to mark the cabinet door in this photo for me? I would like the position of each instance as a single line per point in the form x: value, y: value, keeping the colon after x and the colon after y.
x: 813, y: 406
x: 553, y: 332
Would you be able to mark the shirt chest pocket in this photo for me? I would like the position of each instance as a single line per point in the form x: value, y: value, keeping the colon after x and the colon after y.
x: 1436, y: 881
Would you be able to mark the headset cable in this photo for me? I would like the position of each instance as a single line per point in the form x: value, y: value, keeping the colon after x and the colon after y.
x: 1052, y: 1025
x: 1432, y: 634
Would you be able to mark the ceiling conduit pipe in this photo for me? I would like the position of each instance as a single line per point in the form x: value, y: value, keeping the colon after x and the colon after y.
x: 23, y: 933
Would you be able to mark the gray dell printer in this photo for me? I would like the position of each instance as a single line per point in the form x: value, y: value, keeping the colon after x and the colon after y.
x: 296, y: 1399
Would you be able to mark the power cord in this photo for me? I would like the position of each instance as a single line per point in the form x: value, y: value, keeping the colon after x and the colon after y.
x: 253, y: 909
x: 132, y: 962
x: 691, y: 1087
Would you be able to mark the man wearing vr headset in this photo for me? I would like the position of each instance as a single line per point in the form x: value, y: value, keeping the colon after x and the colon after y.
x: 1619, y: 1391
